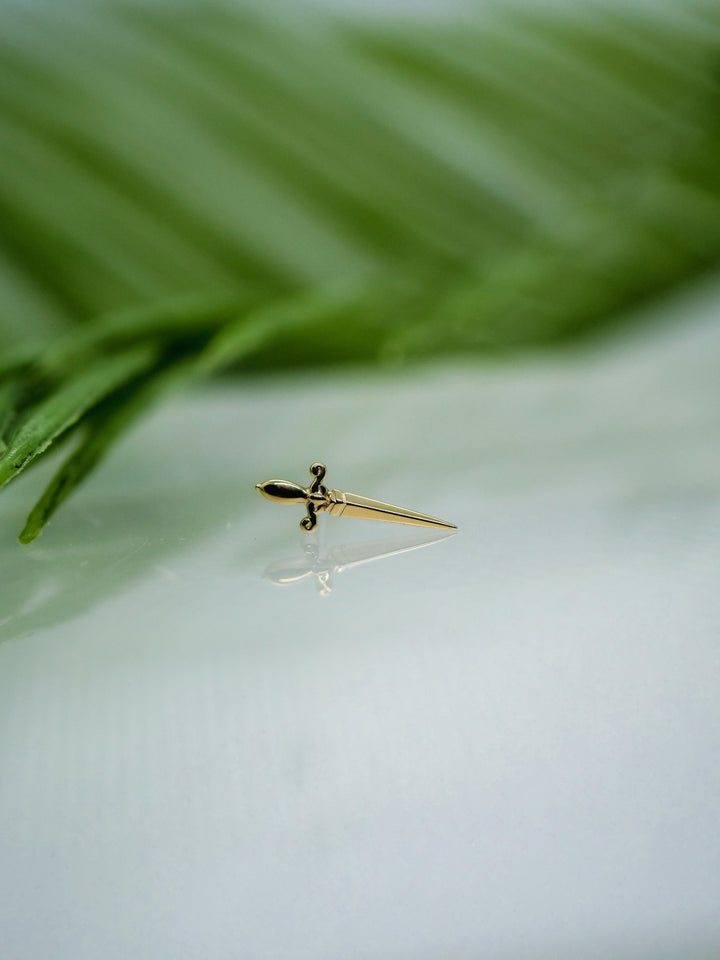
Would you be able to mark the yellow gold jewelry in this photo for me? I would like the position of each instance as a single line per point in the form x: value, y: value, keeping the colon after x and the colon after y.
x: 318, y: 498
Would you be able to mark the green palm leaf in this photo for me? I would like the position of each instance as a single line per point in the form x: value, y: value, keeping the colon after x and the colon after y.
x: 197, y: 187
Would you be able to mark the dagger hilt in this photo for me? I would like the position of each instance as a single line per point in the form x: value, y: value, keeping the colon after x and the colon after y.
x: 315, y: 497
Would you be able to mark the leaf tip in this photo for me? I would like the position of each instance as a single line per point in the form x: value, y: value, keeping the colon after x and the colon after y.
x: 29, y: 532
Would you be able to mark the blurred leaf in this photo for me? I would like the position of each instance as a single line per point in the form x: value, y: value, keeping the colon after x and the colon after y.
x: 201, y: 186
x: 50, y: 418
x: 108, y: 422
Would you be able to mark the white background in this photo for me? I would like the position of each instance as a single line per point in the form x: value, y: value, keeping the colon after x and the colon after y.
x: 504, y: 744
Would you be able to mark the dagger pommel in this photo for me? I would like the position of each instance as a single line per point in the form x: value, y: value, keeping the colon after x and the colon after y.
x: 282, y: 491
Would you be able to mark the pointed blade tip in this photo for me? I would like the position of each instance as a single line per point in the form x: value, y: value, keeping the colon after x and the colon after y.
x: 444, y: 524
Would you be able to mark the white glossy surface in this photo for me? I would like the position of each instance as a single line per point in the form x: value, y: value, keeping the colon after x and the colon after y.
x: 502, y: 745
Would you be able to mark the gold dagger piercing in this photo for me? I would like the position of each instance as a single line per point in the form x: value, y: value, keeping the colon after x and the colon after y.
x: 318, y: 498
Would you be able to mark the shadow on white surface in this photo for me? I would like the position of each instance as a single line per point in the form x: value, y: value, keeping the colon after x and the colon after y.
x: 321, y: 563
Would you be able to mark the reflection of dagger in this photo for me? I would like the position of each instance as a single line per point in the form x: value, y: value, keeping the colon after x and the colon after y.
x: 324, y: 563
x: 317, y: 498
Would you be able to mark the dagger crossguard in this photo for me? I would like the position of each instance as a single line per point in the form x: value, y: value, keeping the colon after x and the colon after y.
x: 317, y: 498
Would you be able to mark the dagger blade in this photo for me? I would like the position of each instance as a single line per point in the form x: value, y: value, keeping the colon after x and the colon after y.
x: 363, y: 508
